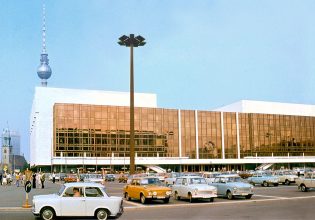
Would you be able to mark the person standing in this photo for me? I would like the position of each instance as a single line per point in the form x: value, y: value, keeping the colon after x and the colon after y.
x: 34, y: 180
x: 42, y: 179
x: 54, y: 177
x: 17, y: 179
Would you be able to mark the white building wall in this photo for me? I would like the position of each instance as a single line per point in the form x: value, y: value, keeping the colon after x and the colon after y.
x: 247, y: 106
x: 41, y: 119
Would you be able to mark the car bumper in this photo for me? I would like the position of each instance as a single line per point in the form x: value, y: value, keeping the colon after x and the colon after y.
x: 35, y: 212
x: 204, y: 196
x: 158, y: 197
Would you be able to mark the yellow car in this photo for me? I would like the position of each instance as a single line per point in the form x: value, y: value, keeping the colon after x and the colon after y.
x: 147, y: 189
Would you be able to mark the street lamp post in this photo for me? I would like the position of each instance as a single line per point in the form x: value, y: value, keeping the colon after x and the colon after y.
x: 131, y: 42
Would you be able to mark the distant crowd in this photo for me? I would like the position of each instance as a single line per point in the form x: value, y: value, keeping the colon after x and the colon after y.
x: 19, y: 179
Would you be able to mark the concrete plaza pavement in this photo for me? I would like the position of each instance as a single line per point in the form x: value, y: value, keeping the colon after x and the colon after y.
x: 13, y: 197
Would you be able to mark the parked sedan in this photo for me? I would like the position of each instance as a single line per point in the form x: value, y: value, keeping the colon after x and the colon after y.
x: 286, y: 176
x: 265, y: 179
x: 193, y: 187
x: 147, y: 189
x: 94, y: 178
x: 307, y: 182
x: 71, y: 178
x: 231, y: 186
x: 109, y: 177
x: 78, y: 199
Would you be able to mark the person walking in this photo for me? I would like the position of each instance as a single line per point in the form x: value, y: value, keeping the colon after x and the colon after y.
x: 1, y: 179
x: 42, y: 179
x: 34, y: 180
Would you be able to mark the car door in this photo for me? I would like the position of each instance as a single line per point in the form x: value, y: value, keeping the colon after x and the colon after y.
x: 71, y: 205
x: 94, y: 198
x: 221, y: 185
x: 216, y: 183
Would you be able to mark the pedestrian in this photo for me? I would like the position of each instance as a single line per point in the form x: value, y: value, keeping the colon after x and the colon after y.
x: 17, y: 179
x: 1, y: 179
x: 34, y: 180
x: 9, y: 179
x: 42, y: 180
x: 54, y: 177
x: 38, y: 176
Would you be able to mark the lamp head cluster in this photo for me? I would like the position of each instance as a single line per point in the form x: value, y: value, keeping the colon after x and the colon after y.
x: 131, y: 41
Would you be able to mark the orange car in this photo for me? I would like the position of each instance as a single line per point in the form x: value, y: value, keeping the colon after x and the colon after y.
x: 71, y: 178
x: 147, y: 189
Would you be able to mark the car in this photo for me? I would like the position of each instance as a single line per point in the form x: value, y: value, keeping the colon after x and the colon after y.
x: 94, y: 177
x: 109, y: 177
x: 286, y: 176
x: 93, y: 201
x: 231, y: 186
x: 171, y: 178
x: 57, y: 177
x: 123, y: 178
x: 263, y: 178
x: 193, y: 187
x: 210, y: 176
x: 71, y: 178
x: 147, y: 189
x: 307, y: 182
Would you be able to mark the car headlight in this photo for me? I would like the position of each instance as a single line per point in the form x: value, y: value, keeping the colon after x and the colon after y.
x: 252, y: 187
x: 235, y: 188
x: 154, y: 193
x: 168, y: 193
x: 150, y: 193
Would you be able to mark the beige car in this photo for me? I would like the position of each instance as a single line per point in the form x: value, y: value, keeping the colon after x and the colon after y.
x: 306, y: 182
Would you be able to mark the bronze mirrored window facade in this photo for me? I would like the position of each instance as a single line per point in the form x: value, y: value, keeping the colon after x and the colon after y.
x: 103, y: 131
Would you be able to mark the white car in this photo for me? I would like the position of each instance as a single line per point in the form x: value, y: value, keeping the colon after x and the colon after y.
x: 95, y: 178
x: 193, y: 187
x: 286, y: 176
x: 307, y: 182
x: 78, y: 199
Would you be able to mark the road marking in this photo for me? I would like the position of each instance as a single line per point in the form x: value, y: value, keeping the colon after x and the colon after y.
x: 279, y: 197
x: 133, y: 204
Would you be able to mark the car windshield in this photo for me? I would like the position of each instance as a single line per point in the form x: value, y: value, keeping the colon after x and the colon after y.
x: 62, y: 188
x: 149, y: 181
x: 234, y: 179
x: 197, y: 181
x: 288, y: 173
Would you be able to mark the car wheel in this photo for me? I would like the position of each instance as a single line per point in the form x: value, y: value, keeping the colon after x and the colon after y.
x: 101, y: 214
x: 287, y: 182
x: 276, y: 184
x: 176, y: 196
x: 167, y: 200
x: 191, y: 199
x: 143, y: 199
x: 249, y: 196
x: 211, y: 199
x: 229, y: 195
x: 127, y: 197
x: 265, y: 184
x: 303, y: 188
x: 47, y: 214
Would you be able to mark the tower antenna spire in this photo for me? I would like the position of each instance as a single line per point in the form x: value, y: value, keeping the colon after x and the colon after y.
x: 44, y: 70
x: 44, y: 29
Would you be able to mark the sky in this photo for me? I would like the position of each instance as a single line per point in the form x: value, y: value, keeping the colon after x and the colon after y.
x: 200, y: 54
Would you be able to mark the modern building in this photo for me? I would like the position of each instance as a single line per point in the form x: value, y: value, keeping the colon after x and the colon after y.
x: 86, y: 128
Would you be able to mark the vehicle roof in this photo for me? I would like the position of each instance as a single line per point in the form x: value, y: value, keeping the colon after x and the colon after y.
x: 228, y: 175
x: 83, y: 184
x: 196, y: 176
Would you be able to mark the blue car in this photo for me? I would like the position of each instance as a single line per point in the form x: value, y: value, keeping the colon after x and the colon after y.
x: 263, y: 178
x: 231, y: 186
